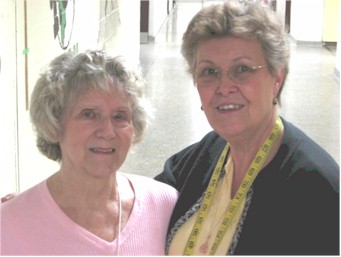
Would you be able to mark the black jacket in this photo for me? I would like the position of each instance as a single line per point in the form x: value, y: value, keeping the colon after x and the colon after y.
x: 295, y: 204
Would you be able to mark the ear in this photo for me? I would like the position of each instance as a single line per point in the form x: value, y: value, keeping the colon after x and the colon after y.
x: 57, y: 137
x: 278, y: 81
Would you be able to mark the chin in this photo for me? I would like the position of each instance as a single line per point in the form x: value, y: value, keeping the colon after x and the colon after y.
x: 228, y: 131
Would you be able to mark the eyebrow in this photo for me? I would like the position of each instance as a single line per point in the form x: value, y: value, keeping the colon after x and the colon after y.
x: 124, y: 109
x: 237, y: 59
x: 205, y: 61
x: 234, y: 60
x: 82, y: 106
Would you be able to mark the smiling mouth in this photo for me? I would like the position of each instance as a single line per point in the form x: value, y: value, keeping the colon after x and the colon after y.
x: 229, y: 107
x: 102, y: 150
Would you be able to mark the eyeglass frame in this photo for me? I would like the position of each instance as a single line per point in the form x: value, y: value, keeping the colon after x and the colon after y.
x: 217, y: 76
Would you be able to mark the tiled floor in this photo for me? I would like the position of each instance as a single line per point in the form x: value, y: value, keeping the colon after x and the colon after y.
x: 310, y: 99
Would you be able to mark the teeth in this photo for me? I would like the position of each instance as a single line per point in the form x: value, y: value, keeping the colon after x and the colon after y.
x: 230, y: 107
x: 102, y: 150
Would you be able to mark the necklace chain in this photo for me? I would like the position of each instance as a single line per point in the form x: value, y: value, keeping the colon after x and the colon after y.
x: 119, y: 219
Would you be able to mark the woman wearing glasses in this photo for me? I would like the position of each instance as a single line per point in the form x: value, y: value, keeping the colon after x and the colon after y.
x: 256, y: 184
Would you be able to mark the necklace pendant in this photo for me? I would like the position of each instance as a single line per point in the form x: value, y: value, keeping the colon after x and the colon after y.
x: 203, y: 249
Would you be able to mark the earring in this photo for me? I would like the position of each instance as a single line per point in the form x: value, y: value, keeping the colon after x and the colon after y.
x: 201, y: 108
x: 275, y: 101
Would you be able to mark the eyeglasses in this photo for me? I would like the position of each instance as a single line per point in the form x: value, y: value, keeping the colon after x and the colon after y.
x: 239, y: 74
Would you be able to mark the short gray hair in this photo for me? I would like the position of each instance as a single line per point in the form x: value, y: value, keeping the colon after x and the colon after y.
x: 244, y: 19
x: 70, y: 75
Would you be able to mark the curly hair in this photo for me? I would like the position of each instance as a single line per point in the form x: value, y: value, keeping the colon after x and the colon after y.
x: 70, y: 75
x: 244, y: 19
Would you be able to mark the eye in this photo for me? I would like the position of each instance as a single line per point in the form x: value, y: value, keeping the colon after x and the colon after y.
x: 88, y: 114
x: 242, y: 69
x: 122, y: 116
x: 208, y: 72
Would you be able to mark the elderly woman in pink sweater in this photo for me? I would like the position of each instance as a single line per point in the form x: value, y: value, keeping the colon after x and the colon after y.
x: 88, y: 110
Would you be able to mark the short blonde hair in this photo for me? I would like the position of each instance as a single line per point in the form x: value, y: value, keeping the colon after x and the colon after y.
x: 70, y: 75
x: 244, y: 19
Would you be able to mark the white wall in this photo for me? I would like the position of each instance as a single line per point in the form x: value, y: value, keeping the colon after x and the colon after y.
x: 330, y: 20
x: 157, y: 16
x: 129, y: 39
x: 8, y: 160
x: 280, y: 10
x: 338, y: 49
x: 306, y: 20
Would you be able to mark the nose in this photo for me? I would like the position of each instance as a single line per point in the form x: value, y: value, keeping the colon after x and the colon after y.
x: 225, y: 84
x: 106, y: 129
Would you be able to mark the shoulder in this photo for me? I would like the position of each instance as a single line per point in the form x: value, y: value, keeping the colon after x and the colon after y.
x: 307, y: 158
x: 25, y: 198
x: 22, y: 207
x: 152, y: 188
x: 208, y: 144
x: 197, y: 159
x: 198, y: 156
x: 305, y: 150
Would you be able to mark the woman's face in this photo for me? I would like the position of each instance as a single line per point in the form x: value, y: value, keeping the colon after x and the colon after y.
x: 235, y: 86
x: 97, y: 133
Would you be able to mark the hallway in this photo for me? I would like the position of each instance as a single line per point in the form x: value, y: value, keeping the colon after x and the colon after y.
x: 310, y: 98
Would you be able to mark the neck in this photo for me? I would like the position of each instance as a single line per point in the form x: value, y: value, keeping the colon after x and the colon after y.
x: 244, y: 151
x: 81, y: 192
x: 99, y: 208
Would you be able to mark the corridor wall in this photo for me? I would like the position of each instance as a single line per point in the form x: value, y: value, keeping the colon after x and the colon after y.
x: 315, y: 22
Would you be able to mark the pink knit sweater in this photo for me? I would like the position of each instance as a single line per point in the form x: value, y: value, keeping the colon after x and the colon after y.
x: 33, y: 224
